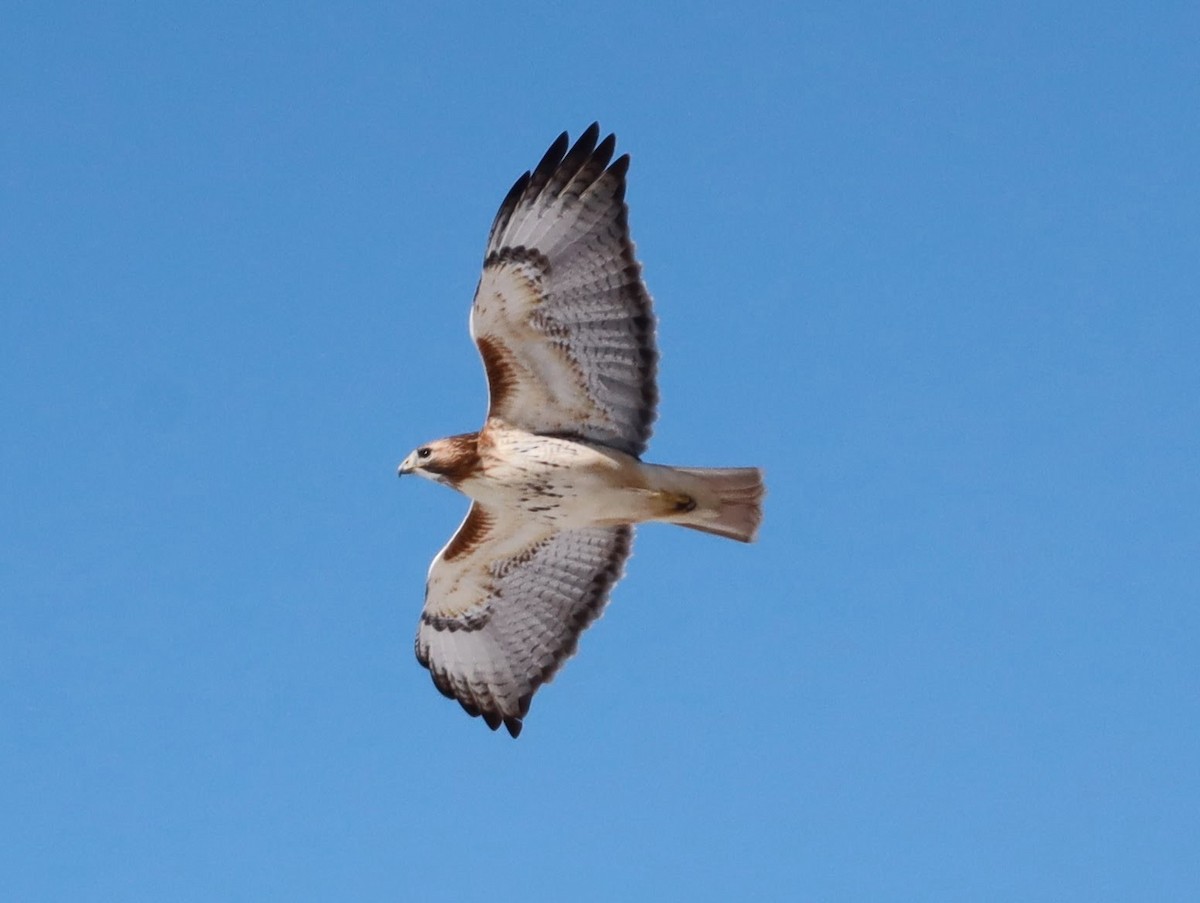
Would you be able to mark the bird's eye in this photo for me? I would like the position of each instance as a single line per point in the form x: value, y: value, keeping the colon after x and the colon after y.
x: 424, y: 453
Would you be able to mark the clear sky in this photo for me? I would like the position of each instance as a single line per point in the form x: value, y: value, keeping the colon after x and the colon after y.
x: 936, y: 267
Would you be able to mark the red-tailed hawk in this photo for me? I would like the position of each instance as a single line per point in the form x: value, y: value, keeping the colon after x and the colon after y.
x: 565, y: 328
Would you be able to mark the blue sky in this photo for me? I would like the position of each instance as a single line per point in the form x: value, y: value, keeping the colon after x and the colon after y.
x: 934, y: 266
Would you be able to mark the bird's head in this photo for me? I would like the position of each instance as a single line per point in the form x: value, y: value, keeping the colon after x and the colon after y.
x: 448, y: 461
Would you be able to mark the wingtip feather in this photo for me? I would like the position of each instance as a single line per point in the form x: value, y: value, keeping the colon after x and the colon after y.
x: 546, y: 166
x: 605, y: 149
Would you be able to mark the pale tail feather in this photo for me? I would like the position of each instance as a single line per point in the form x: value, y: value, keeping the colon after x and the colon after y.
x: 729, y: 501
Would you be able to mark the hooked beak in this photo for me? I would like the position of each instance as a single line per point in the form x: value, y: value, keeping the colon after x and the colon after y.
x: 408, y: 465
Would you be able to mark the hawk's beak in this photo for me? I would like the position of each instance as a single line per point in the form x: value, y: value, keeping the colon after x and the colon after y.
x: 406, y: 466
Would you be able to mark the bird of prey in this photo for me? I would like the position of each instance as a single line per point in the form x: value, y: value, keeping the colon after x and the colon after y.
x: 564, y: 325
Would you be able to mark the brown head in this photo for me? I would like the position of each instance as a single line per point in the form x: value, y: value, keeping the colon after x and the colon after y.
x: 448, y: 461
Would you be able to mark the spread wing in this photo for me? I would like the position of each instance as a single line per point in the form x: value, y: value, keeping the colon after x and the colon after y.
x: 505, y: 603
x: 561, y: 317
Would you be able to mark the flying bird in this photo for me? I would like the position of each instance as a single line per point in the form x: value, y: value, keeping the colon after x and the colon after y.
x: 564, y: 325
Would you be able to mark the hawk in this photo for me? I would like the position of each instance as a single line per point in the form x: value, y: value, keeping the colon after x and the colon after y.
x: 564, y: 325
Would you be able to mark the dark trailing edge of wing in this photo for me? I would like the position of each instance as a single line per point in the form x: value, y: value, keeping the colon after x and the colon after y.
x: 644, y: 322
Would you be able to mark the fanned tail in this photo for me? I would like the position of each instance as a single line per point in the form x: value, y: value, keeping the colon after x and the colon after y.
x: 728, y: 501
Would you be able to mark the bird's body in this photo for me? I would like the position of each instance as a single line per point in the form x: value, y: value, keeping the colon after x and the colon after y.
x: 565, y: 330
x: 562, y: 483
x: 558, y: 482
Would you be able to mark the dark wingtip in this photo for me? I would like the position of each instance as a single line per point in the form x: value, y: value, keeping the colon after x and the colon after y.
x: 619, y: 169
x: 604, y: 150
x: 557, y: 150
x: 510, y: 199
x: 549, y: 162
x: 509, y: 204
x: 589, y: 135
x: 583, y: 148
x: 492, y: 719
x: 514, y: 726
